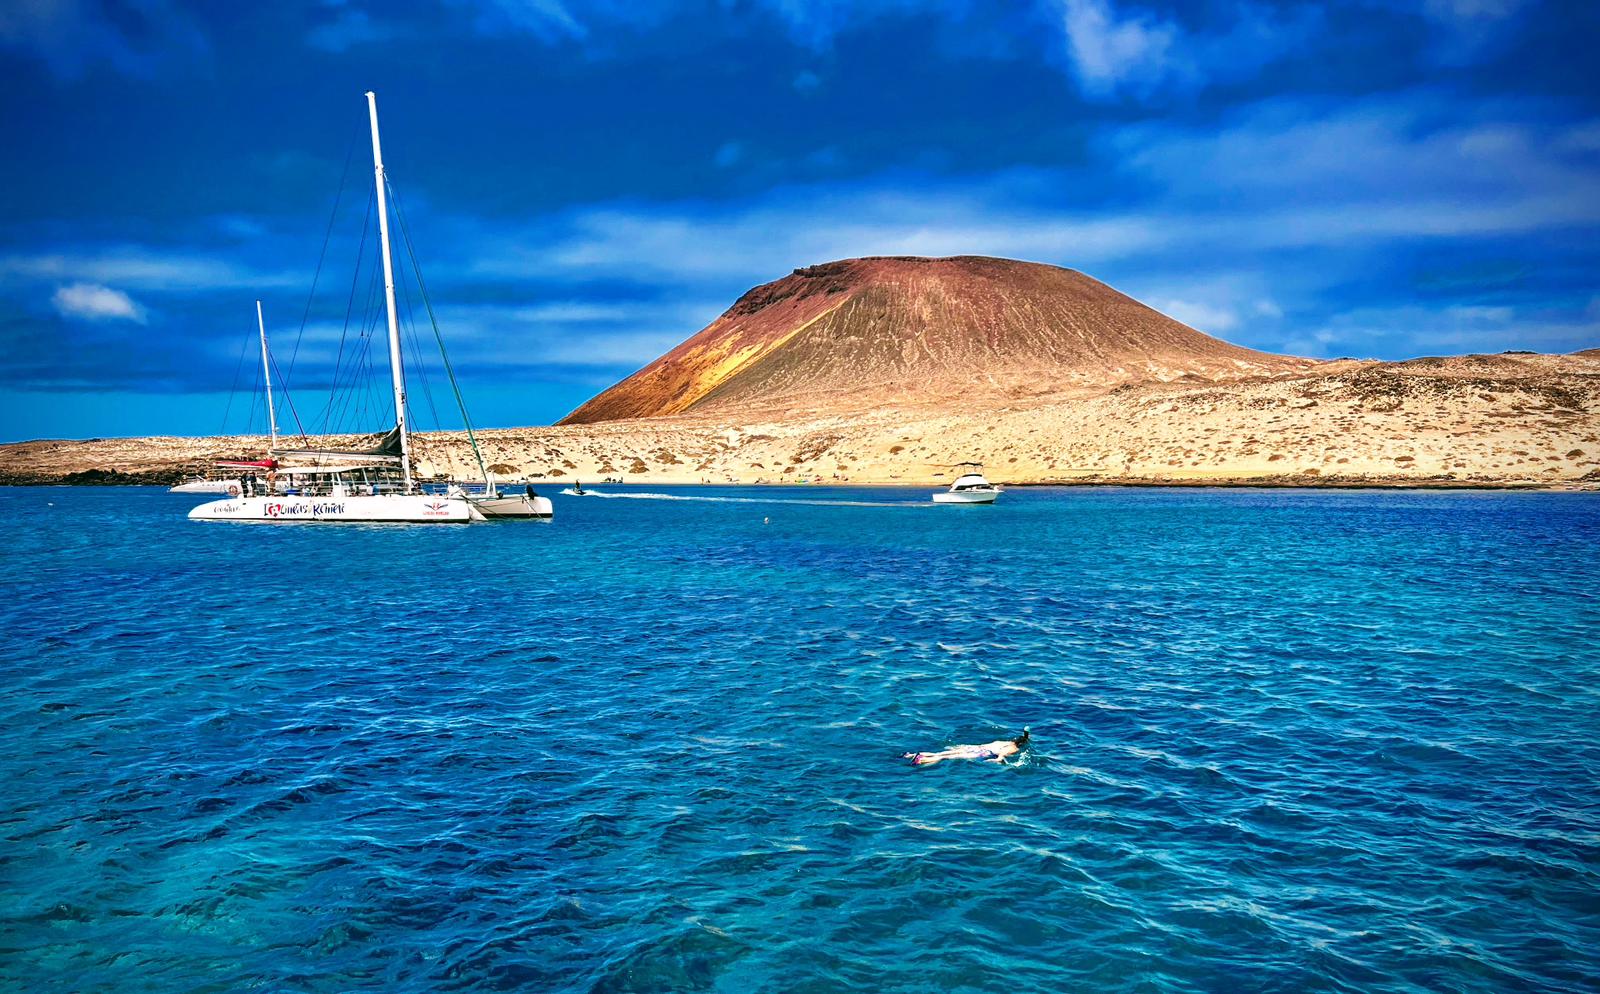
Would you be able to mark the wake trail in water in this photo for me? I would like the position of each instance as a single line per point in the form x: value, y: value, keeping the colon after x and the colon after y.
x: 748, y: 500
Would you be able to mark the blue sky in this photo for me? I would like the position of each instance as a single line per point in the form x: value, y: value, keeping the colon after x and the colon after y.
x: 588, y: 183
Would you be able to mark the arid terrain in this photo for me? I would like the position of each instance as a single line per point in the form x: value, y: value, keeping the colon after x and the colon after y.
x: 891, y: 370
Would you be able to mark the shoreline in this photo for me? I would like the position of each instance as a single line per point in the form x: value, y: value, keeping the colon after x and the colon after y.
x: 1471, y: 423
x: 1434, y: 486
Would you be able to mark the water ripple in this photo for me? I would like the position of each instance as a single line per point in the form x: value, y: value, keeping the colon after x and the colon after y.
x: 1284, y: 741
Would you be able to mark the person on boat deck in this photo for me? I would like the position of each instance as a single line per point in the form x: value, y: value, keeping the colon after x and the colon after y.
x: 249, y: 482
x: 531, y: 494
x: 995, y: 752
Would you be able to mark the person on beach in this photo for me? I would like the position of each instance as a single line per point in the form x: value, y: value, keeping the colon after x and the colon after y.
x: 995, y: 752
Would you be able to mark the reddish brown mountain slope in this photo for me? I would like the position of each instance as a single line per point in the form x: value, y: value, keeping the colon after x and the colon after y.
x: 864, y: 332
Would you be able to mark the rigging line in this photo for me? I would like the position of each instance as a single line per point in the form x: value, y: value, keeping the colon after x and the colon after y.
x: 359, y: 359
x: 377, y: 329
x: 359, y: 398
x: 367, y: 403
x: 333, y: 215
x: 349, y: 308
x: 416, y: 353
x: 283, y: 390
x: 255, y: 398
x: 422, y: 288
x: 233, y: 389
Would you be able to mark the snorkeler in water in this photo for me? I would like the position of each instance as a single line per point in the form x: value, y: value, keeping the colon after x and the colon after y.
x: 995, y: 752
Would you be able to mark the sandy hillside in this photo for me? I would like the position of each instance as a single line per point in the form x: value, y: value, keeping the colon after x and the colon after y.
x: 890, y: 332
x: 890, y: 370
x: 1473, y: 420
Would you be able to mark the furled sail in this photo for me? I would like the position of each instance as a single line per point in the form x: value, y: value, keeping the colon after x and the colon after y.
x: 387, y: 449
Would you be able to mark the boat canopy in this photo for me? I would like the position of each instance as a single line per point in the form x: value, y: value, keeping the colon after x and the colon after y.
x: 249, y: 463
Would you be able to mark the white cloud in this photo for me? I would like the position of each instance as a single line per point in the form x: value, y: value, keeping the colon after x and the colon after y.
x: 1468, y: 29
x: 1434, y: 191
x: 1454, y: 329
x: 1315, y: 199
x: 550, y: 20
x: 140, y: 268
x: 1108, y: 51
x: 349, y: 28
x: 773, y: 239
x: 1368, y: 171
x: 1472, y: 10
x: 574, y: 333
x: 71, y: 36
x: 96, y: 303
x: 1203, y: 317
x: 1117, y: 51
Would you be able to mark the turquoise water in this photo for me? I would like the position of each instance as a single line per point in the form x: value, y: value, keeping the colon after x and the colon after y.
x: 1283, y: 741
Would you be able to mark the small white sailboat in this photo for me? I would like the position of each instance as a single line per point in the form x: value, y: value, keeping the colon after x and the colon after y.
x: 374, y: 485
x: 969, y: 488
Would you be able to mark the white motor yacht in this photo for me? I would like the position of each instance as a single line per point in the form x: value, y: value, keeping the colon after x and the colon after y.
x: 969, y: 488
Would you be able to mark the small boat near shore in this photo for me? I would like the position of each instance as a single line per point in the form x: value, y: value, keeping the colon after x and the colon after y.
x: 494, y: 505
x: 230, y: 479
x: 206, y: 485
x: 969, y: 488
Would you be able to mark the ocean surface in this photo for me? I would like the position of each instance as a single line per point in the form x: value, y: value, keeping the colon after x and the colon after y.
x: 1282, y: 741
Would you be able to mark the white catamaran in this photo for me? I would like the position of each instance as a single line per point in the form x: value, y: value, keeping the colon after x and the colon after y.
x: 371, y: 485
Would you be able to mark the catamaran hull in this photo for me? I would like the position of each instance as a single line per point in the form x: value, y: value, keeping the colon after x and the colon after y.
x: 504, y: 507
x: 361, y: 509
x: 966, y: 497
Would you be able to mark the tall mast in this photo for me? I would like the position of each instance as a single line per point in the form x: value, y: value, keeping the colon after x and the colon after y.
x: 266, y: 372
x: 396, y: 370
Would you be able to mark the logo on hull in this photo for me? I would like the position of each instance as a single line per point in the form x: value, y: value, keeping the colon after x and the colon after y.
x: 301, y: 509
